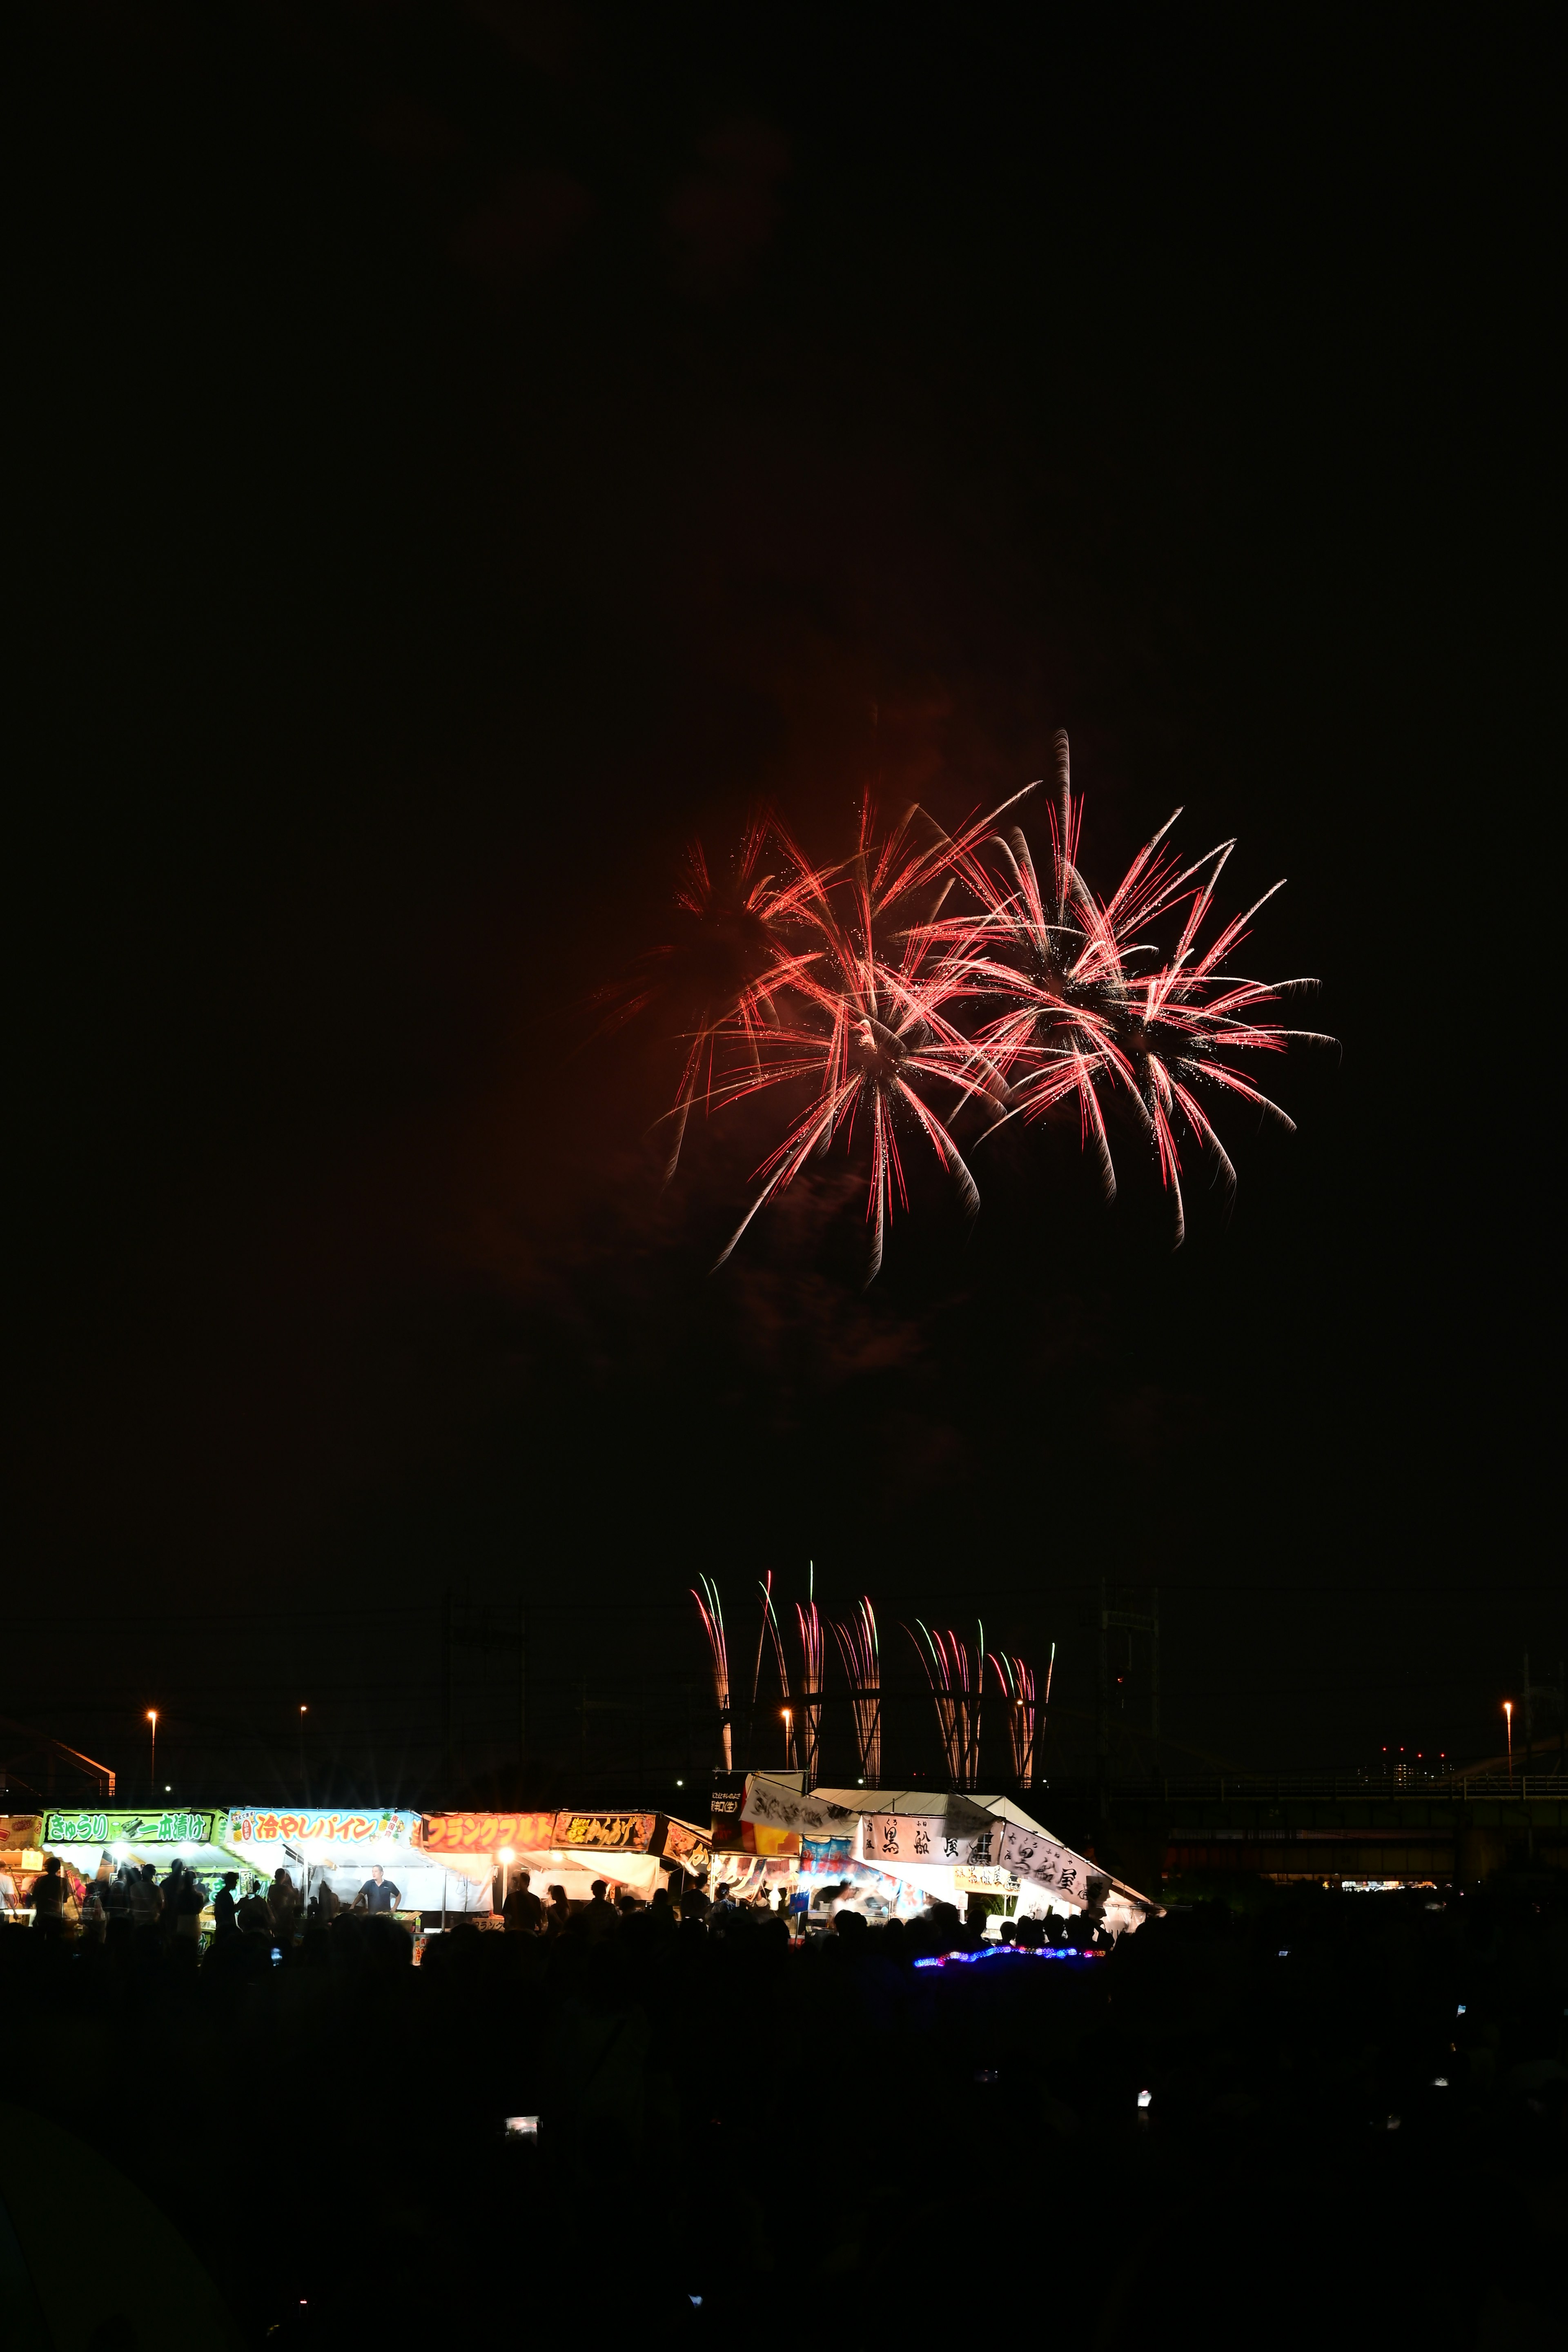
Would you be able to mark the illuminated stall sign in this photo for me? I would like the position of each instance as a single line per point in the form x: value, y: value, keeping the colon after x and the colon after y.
x: 21, y: 1831
x: 176, y: 1827
x: 261, y: 1825
x: 729, y: 1796
x: 687, y: 1846
x: 488, y: 1833
x: 929, y: 1837
x: 605, y: 1832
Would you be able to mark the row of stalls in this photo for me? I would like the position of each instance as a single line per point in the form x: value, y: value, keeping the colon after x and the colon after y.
x: 427, y: 1869
x: 885, y: 1852
x: 888, y: 1852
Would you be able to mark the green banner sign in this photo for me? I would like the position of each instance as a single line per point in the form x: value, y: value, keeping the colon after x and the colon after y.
x: 173, y: 1828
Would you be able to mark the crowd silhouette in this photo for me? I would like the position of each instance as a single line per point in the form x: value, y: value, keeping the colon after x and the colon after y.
x: 723, y: 2124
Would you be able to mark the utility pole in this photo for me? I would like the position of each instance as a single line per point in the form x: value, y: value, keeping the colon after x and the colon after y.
x: 1102, y: 1709
x: 1130, y: 1622
x: 446, y: 1696
x: 521, y: 1703
x: 1154, y: 1663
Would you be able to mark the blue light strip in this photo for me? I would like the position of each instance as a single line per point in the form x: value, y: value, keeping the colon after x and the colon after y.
x: 1015, y: 1952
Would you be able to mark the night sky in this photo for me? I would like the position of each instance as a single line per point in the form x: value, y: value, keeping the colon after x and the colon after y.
x: 469, y: 450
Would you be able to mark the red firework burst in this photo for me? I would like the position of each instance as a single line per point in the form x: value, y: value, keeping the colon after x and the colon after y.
x: 861, y: 986
x: 875, y: 1021
x: 1089, y: 1006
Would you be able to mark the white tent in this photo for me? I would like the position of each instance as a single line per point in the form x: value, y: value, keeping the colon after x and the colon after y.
x: 950, y: 1845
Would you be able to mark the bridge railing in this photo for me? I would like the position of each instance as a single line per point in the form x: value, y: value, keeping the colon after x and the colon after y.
x: 1342, y: 1787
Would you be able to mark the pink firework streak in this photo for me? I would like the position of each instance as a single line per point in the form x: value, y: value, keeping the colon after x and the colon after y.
x: 950, y: 965
x: 957, y: 1677
x: 1086, y: 1007
x: 811, y: 1654
x: 1017, y: 1682
x: 859, y: 1648
x: 876, y: 994
x: 712, y: 1618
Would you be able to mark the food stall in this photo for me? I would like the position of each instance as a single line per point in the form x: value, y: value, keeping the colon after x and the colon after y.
x: 21, y: 1859
x: 636, y: 1852
x: 93, y: 1839
x: 342, y: 1850
x: 902, y: 1848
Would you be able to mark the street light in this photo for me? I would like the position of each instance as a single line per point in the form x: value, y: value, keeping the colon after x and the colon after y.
x: 304, y: 1783
x: 1508, y: 1715
x: 789, y: 1737
x: 506, y: 1857
x: 152, y: 1760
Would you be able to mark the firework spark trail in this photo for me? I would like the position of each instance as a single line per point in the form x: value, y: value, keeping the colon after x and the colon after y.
x: 1083, y: 1010
x: 867, y: 985
x: 811, y: 1651
x: 769, y: 1620
x: 860, y: 1650
x: 878, y: 1024
x: 771, y: 1625
x: 1017, y: 1683
x: 957, y: 1679
x: 712, y: 1618
x: 934, y: 1660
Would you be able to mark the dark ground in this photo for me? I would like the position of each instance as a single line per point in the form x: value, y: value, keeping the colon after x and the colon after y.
x: 830, y: 2143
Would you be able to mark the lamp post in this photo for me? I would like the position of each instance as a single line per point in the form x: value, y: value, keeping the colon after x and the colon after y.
x: 1507, y: 1717
x: 506, y: 1857
x: 152, y: 1757
x: 304, y: 1783
x: 789, y: 1737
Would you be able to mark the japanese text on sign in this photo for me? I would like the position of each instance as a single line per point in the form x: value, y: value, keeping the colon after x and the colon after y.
x: 606, y: 1832
x: 258, y: 1825
x: 1041, y: 1859
x: 488, y: 1833
x: 928, y: 1837
x: 687, y: 1845
x: 778, y: 1806
x: 173, y: 1828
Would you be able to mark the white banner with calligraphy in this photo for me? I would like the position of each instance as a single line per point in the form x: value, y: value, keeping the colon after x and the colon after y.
x: 1031, y: 1854
x: 930, y: 1837
x: 779, y: 1807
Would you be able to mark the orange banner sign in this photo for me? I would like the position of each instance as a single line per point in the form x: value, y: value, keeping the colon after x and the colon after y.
x: 488, y: 1833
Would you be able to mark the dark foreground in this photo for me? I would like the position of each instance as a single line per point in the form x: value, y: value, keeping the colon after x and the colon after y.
x: 1356, y: 2130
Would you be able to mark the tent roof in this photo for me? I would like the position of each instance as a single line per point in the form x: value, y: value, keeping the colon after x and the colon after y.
x: 950, y: 1805
x: 961, y: 1807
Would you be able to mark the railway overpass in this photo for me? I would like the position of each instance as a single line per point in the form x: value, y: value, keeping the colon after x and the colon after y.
x: 1319, y: 1826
